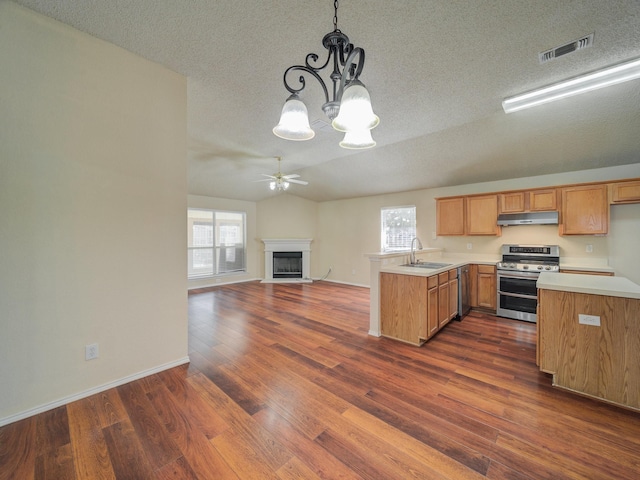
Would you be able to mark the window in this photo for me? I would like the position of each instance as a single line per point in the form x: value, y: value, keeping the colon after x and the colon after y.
x: 216, y: 242
x: 398, y: 228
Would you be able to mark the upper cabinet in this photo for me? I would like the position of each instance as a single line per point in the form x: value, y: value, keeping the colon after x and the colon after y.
x: 625, y: 192
x: 471, y: 215
x: 482, y: 215
x: 585, y: 210
x: 529, y: 201
x: 450, y: 216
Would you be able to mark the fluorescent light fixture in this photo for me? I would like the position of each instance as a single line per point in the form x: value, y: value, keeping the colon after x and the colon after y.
x: 584, y: 83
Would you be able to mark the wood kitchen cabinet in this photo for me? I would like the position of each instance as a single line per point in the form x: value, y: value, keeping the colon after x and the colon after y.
x: 585, y: 210
x: 414, y: 308
x: 542, y: 200
x: 403, y: 307
x: 450, y: 217
x: 625, y: 192
x: 482, y: 215
x: 482, y: 287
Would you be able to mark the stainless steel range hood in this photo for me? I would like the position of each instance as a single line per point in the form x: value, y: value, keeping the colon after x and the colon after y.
x: 531, y: 218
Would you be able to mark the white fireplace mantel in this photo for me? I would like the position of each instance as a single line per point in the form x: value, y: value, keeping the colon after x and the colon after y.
x: 287, y: 245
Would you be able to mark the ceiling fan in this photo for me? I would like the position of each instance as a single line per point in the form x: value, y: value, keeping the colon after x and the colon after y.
x: 279, y: 181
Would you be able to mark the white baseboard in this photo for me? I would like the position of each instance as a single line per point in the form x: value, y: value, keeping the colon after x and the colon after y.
x: 346, y: 283
x: 92, y: 391
x: 220, y: 283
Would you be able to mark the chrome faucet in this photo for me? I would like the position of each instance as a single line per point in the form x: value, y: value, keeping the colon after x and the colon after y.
x: 412, y: 255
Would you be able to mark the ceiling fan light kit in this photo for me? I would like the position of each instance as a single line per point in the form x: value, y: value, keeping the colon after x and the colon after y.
x: 280, y: 182
x: 350, y: 108
x: 613, y: 75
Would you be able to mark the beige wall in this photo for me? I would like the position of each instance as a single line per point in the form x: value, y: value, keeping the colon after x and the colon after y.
x: 93, y: 208
x: 253, y: 268
x: 347, y: 229
x: 287, y: 216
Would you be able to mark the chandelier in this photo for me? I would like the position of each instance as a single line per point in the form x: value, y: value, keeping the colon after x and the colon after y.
x: 348, y: 108
x: 279, y: 184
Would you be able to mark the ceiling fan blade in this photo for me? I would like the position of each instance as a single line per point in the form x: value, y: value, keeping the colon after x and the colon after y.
x: 265, y: 180
x: 293, y: 175
x: 270, y: 176
x: 300, y: 182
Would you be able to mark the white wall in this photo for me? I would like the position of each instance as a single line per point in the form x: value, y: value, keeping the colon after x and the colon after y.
x: 253, y: 268
x: 92, y: 214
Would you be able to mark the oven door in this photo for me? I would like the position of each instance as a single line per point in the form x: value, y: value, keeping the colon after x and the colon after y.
x: 517, y: 295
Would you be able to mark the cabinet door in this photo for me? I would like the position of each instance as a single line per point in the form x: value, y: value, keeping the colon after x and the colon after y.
x: 450, y: 216
x: 443, y: 304
x: 512, y: 202
x: 487, y: 292
x: 543, y: 200
x: 432, y: 311
x: 625, y: 192
x: 453, y: 298
x: 585, y: 210
x: 482, y: 215
x: 403, y: 306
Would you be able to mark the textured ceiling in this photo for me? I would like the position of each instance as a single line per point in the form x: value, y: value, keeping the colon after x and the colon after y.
x: 437, y: 71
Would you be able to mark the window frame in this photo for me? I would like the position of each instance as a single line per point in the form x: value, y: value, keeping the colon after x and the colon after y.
x: 384, y: 246
x: 216, y: 248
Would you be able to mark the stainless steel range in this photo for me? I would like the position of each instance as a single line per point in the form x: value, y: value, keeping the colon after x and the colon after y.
x: 517, y: 276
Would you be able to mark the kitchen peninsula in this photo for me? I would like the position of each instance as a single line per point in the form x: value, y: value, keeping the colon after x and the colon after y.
x: 589, y: 335
x: 412, y: 303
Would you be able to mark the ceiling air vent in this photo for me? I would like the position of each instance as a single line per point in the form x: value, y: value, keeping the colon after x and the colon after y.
x: 570, y: 47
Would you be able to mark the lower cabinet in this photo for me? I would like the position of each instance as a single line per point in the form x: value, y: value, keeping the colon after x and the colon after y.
x: 483, y: 289
x: 414, y: 308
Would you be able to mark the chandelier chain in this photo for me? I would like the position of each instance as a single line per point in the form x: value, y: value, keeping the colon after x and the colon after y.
x: 335, y: 15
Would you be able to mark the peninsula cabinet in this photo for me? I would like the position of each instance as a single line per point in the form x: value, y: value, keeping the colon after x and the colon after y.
x: 600, y: 358
x: 413, y: 308
x: 585, y: 210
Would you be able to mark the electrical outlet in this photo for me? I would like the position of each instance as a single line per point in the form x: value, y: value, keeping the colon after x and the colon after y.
x: 589, y: 248
x: 434, y: 236
x: 589, y: 320
x: 353, y: 272
x: 91, y: 351
x: 469, y: 246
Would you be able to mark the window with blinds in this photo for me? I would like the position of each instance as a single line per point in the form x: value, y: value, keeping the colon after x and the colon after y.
x: 398, y: 228
x: 216, y: 242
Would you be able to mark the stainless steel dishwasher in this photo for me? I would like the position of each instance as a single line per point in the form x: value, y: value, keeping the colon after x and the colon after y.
x: 463, y: 291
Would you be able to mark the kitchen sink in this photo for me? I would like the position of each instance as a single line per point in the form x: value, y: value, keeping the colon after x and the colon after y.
x: 431, y: 265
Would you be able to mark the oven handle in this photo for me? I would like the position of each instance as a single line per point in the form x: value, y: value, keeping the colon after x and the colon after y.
x: 519, y: 295
x: 531, y: 276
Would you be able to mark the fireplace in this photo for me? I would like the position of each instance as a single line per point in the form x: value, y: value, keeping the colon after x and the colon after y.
x: 287, y: 264
x: 287, y: 260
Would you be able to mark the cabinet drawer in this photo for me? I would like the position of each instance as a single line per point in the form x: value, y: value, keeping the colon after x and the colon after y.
x: 486, y: 269
x: 443, y: 278
x: 453, y: 273
x: 432, y: 282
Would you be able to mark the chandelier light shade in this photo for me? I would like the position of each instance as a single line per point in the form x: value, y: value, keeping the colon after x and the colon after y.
x: 357, y: 139
x: 349, y: 108
x: 355, y: 110
x: 294, y: 121
x: 622, y: 72
x: 279, y: 185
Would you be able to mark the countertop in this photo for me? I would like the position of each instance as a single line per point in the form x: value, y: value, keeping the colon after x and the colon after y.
x: 453, y: 261
x: 591, y: 284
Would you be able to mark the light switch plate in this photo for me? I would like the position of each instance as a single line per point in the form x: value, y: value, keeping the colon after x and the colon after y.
x: 589, y: 320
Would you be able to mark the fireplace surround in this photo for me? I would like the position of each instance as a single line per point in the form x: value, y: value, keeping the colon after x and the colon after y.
x: 288, y: 249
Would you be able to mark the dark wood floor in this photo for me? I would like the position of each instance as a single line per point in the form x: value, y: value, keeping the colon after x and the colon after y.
x: 285, y: 383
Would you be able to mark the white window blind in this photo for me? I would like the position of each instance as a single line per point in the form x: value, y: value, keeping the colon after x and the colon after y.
x: 216, y: 242
x: 398, y: 228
